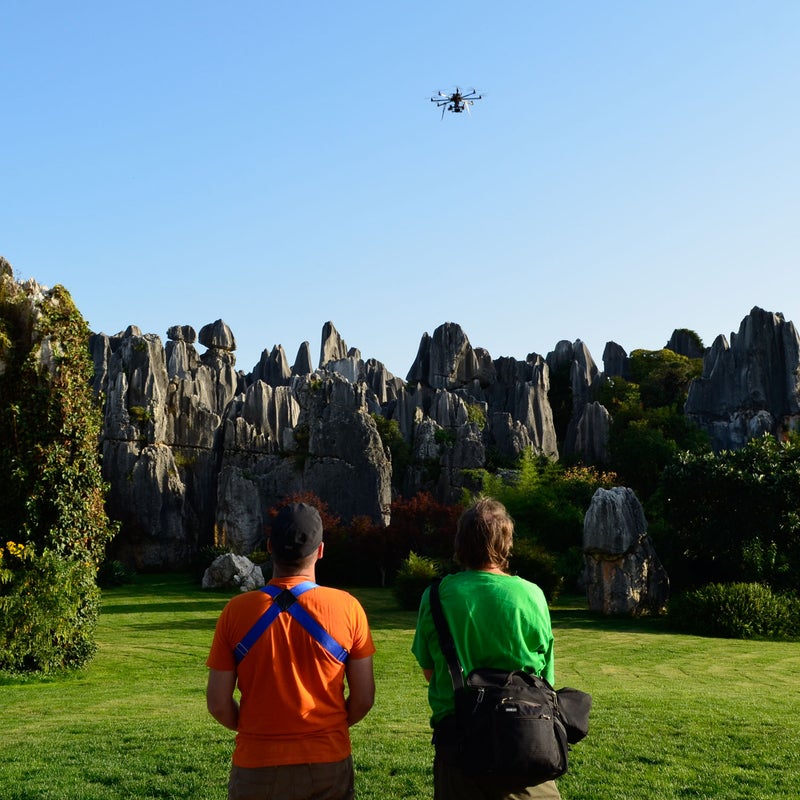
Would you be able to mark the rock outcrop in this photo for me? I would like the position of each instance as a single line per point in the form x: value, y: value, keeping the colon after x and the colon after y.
x: 752, y: 385
x: 196, y: 452
x: 623, y: 574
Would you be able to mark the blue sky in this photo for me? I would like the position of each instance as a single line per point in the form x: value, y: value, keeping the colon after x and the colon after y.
x: 633, y: 168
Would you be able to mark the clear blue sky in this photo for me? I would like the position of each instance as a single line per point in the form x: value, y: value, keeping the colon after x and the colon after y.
x: 633, y: 168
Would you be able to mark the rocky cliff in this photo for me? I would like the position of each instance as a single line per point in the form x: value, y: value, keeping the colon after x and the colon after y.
x: 750, y: 386
x: 196, y: 451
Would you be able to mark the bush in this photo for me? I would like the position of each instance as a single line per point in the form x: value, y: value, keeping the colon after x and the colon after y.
x: 414, y: 576
x: 114, y: 573
x: 534, y: 563
x: 45, y: 604
x: 736, y: 611
x: 52, y: 502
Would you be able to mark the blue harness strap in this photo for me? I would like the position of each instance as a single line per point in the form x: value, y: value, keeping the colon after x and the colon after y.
x: 285, y: 600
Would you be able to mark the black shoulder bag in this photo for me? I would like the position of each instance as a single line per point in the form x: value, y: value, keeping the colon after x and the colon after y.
x: 510, y: 723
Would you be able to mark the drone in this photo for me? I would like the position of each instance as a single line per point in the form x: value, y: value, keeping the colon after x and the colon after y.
x: 456, y: 102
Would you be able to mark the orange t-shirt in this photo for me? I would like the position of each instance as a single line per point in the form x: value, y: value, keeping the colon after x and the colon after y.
x: 292, y: 708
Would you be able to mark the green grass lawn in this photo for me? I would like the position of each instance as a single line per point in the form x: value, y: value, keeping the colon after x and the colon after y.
x: 674, y: 716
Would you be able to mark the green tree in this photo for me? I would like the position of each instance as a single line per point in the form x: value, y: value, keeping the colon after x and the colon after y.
x: 52, y: 511
x: 733, y: 516
x: 648, y: 426
x: 547, y: 502
x: 399, y: 448
x: 663, y: 376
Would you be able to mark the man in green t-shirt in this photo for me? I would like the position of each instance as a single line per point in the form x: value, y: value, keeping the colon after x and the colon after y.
x: 497, y: 620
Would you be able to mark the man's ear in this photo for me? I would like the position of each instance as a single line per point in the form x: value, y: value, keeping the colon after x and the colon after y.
x: 320, y: 550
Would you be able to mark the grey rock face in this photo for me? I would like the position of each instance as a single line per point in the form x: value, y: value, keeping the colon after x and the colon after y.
x: 197, y: 452
x: 230, y: 571
x: 591, y: 434
x: 584, y: 377
x: 623, y: 574
x: 616, y: 363
x: 685, y: 343
x: 751, y: 386
x: 302, y: 363
x: 273, y: 368
x: 346, y: 461
x: 217, y: 336
x: 239, y: 517
x: 445, y: 360
x: 333, y: 347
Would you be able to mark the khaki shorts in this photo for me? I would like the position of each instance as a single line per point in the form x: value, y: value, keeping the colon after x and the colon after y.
x: 452, y: 783
x: 332, y: 781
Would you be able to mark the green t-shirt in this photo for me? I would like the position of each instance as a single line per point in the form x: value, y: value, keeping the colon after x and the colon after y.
x: 499, y: 621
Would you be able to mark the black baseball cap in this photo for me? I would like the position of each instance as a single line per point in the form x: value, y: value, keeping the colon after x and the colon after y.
x: 296, y: 532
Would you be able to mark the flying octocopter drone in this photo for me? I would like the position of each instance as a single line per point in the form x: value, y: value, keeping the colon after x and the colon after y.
x: 456, y: 101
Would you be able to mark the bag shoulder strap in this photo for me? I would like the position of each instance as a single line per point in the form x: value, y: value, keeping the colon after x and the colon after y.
x: 446, y: 642
x: 286, y: 600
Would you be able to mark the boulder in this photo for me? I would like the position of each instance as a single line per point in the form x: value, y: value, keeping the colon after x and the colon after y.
x: 230, y: 571
x: 217, y: 336
x: 622, y: 571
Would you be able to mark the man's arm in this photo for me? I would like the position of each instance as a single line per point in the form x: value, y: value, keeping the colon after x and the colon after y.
x: 219, y: 698
x: 428, y: 673
x: 361, y: 688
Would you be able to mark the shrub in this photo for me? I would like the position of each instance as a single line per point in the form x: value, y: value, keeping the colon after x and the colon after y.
x: 413, y: 577
x: 259, y: 556
x: 114, y: 573
x: 393, y: 441
x: 45, y: 604
x: 52, y: 502
x: 534, y: 563
x: 736, y: 611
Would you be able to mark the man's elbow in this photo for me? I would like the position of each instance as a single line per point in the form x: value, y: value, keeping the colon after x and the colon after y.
x: 216, y: 706
x: 359, y: 705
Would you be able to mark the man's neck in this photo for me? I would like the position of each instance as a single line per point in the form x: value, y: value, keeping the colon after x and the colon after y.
x: 284, y: 572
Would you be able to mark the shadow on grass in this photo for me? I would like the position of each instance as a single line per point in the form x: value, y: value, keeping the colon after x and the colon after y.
x: 571, y: 612
x: 134, y: 607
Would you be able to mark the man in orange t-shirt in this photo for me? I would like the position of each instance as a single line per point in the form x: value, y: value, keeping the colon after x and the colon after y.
x: 293, y: 723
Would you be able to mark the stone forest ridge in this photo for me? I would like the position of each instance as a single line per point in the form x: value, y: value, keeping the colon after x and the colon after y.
x: 197, y: 451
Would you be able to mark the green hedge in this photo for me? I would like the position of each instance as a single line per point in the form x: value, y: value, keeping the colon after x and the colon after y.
x: 736, y: 611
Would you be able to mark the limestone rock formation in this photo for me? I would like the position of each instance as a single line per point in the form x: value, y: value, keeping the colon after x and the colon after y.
x: 333, y: 347
x: 591, y: 434
x: 685, y: 343
x: 197, y: 452
x: 583, y: 376
x: 750, y: 386
x: 623, y: 573
x: 616, y: 362
x: 217, y: 336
